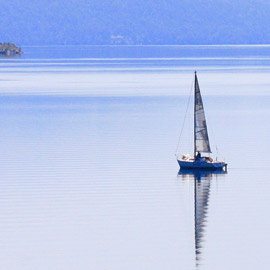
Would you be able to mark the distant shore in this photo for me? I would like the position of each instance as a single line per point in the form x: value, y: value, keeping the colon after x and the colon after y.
x: 9, y: 49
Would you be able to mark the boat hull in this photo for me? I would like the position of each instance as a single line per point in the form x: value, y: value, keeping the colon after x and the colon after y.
x: 199, y: 165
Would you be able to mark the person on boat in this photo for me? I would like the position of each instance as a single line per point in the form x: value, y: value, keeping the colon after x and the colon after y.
x: 198, y: 156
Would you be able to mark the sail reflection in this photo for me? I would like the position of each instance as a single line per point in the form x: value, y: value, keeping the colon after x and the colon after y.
x: 202, y: 181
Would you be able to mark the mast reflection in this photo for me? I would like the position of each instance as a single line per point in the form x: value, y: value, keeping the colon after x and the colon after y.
x: 202, y: 181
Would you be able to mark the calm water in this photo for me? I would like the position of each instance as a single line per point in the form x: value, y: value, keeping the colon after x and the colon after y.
x: 89, y: 178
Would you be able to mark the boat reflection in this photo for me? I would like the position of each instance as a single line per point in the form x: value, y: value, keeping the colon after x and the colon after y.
x: 202, y: 181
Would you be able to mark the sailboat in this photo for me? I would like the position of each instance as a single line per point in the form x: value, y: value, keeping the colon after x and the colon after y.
x: 201, y: 139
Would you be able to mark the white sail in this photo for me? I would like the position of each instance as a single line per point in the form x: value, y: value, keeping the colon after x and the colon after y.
x: 201, y: 139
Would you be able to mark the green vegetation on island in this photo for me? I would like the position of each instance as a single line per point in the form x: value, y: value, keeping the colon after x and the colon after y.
x: 9, y: 49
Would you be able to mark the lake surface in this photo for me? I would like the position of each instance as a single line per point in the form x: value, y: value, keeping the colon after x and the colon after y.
x: 89, y: 178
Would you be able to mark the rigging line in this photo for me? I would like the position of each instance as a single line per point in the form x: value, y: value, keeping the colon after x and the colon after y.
x: 181, y: 132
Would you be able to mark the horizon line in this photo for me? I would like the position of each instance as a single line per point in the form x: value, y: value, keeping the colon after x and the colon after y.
x: 151, y: 45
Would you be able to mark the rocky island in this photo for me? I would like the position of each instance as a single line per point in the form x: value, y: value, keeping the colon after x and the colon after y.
x: 10, y: 49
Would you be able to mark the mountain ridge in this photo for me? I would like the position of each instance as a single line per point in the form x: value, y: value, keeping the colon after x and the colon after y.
x: 127, y: 22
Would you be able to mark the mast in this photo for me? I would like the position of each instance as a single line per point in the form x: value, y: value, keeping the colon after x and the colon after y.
x: 194, y: 126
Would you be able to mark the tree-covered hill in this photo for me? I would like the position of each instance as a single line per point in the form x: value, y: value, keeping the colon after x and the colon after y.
x: 28, y: 22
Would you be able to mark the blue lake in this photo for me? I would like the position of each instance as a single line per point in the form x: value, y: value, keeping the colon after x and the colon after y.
x: 89, y: 178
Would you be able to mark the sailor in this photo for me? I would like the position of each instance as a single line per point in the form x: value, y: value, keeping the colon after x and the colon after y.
x: 198, y: 156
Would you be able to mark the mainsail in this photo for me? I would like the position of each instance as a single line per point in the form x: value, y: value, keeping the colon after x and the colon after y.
x: 201, y: 140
